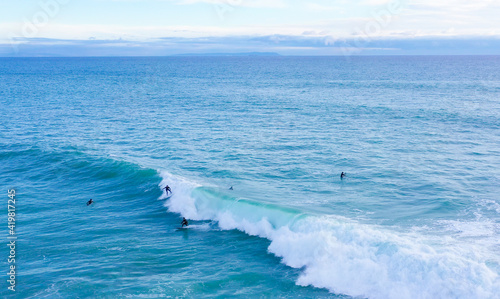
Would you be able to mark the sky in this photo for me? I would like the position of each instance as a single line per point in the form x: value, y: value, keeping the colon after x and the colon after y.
x: 286, y: 27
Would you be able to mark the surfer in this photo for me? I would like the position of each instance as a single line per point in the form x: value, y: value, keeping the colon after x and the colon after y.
x: 342, y: 175
x: 184, y: 222
x: 167, y: 189
x: 90, y: 202
x: 231, y: 188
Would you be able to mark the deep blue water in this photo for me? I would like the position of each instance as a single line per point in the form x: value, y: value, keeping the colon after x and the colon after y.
x: 416, y: 217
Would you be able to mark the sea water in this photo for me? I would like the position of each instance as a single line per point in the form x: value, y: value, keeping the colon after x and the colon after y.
x: 417, y: 215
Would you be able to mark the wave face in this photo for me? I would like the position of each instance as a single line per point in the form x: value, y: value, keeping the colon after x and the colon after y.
x: 346, y: 256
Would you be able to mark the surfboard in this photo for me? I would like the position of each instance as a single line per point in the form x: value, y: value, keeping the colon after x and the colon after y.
x: 181, y: 228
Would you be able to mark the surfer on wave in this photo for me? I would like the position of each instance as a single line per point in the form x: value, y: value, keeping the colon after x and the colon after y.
x: 184, y: 222
x: 167, y: 189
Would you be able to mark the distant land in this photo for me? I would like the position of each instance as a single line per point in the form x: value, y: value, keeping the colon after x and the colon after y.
x: 231, y: 54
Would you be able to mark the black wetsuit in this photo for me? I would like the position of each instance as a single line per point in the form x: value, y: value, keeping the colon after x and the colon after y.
x: 184, y: 222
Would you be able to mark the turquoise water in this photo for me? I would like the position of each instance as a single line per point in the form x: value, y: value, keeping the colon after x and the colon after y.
x: 416, y: 217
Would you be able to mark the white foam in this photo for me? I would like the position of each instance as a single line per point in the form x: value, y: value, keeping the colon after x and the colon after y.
x: 490, y: 205
x: 180, y: 201
x: 200, y: 227
x: 348, y: 257
x: 367, y: 261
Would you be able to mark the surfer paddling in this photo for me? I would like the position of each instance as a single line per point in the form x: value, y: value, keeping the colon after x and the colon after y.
x: 90, y: 202
x: 184, y: 222
x: 167, y: 189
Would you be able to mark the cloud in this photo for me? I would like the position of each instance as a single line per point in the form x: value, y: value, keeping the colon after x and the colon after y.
x: 282, y: 44
x: 455, y: 5
x: 312, y: 19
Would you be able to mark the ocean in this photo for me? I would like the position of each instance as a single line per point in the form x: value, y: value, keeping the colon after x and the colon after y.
x: 417, y: 215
